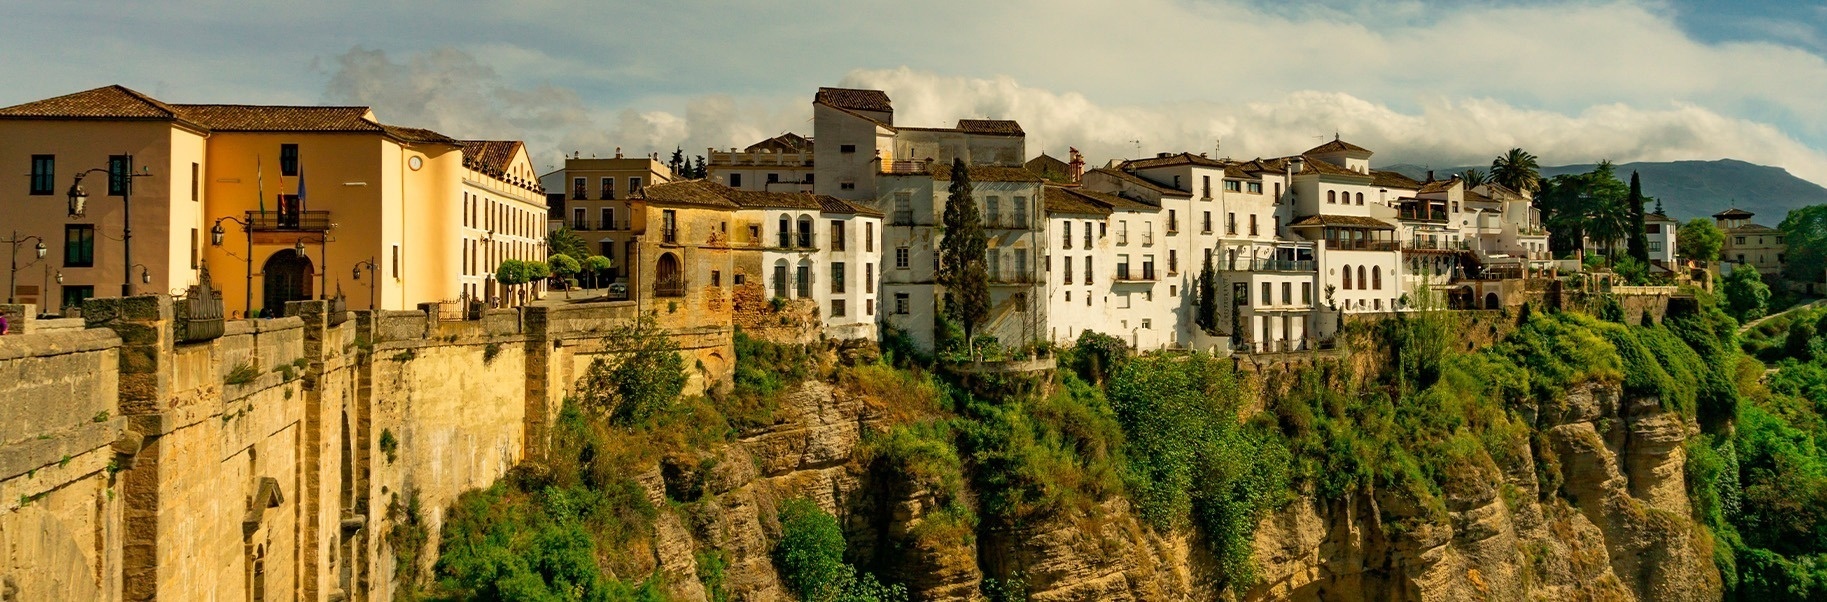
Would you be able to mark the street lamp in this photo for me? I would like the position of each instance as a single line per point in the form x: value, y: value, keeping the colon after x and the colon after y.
x: 12, y: 283
x: 79, y: 201
x: 323, y: 244
x: 145, y: 274
x: 215, y: 239
x: 372, y: 281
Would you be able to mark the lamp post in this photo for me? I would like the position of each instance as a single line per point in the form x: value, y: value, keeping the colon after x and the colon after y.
x: 323, y: 272
x: 372, y: 280
x: 79, y: 201
x: 47, y: 289
x: 215, y: 239
x: 145, y: 274
x: 12, y: 282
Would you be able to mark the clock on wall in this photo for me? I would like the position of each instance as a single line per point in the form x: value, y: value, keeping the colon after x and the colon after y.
x: 415, y: 163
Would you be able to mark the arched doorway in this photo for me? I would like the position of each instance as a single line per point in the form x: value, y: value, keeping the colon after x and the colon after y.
x: 287, y: 277
x: 1491, y: 302
x: 667, y: 281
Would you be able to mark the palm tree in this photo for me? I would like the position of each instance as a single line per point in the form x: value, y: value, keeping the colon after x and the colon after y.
x: 1473, y: 177
x: 1605, y: 206
x: 1517, y: 170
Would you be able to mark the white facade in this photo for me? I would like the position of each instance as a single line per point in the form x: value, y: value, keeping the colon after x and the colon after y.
x: 504, y: 217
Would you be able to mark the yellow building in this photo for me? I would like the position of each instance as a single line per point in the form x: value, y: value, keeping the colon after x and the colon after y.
x: 1752, y: 244
x: 681, y: 261
x: 399, y: 206
x: 596, y: 198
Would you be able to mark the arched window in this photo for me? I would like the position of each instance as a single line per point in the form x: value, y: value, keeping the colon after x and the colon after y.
x: 1347, y: 277
x: 1332, y: 196
x: 785, y: 232
x: 1360, y: 198
x: 1376, y: 277
x: 780, y: 279
x: 1363, y: 283
x: 805, y: 231
x: 668, y: 281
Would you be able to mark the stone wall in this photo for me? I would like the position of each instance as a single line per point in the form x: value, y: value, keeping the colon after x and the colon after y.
x: 274, y: 461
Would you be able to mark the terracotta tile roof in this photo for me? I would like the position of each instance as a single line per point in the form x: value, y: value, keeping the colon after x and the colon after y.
x: 1058, y: 200
x: 1497, y: 189
x: 1315, y: 165
x: 784, y: 143
x: 1390, y: 179
x: 1170, y: 160
x: 1046, y: 164
x: 1473, y: 196
x: 421, y: 135
x: 689, y: 193
x: 1751, y: 229
x: 989, y: 173
x: 1115, y: 202
x: 107, y: 102
x: 1336, y: 146
x: 1001, y: 127
x: 1734, y: 213
x: 253, y: 118
x: 834, y: 205
x: 754, y: 199
x: 1348, y: 221
x: 489, y: 156
x: 1136, y: 180
x: 1659, y: 217
x: 854, y: 99
x: 1438, y: 186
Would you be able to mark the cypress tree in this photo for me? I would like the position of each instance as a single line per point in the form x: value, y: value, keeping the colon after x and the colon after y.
x: 1639, y: 240
x: 1207, y: 317
x: 963, y: 270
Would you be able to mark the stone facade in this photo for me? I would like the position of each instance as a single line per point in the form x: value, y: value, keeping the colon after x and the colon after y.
x: 271, y: 463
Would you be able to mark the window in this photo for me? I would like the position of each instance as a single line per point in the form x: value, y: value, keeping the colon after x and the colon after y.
x: 1021, y: 265
x: 634, y: 184
x: 577, y: 189
x: 1087, y: 235
x: 1287, y: 293
x: 903, y: 209
x: 900, y: 303
x: 869, y: 278
x: 739, y: 278
x: 396, y: 262
x: 1347, y: 272
x: 1122, y: 232
x: 75, y: 295
x: 900, y: 258
x: 736, y: 180
x: 1268, y: 297
x: 848, y: 148
x: 1205, y: 186
x: 44, y: 174
x: 1087, y: 273
x: 1254, y: 187
x: 1332, y: 197
x: 607, y: 215
x: 1148, y: 267
x: 1230, y: 223
x: 995, y: 261
x: 196, y: 173
x: 1361, y: 200
x: 868, y: 237
x: 1252, y: 224
x: 1655, y: 246
x: 1363, y: 283
x: 578, y: 219
x: 78, y: 246
x: 1306, y: 293
x: 846, y: 185
x: 194, y: 241
x: 1173, y: 221
x: 1278, y: 193
x: 1176, y: 182
x: 1122, y: 267
x: 716, y: 278
x: 117, y: 175
x: 785, y: 232
x: 1068, y: 270
x: 837, y: 277
x: 1205, y: 223
x: 755, y: 233
x: 1278, y: 225
x: 606, y: 188
x: 869, y: 307
x: 837, y: 235
x: 1233, y: 186
x: 805, y: 232
x: 992, y: 212
x: 837, y: 308
x: 1738, y: 240
x: 773, y: 178
x: 780, y: 280
x: 1103, y: 230
x: 288, y: 160
x: 1021, y: 212
x: 1173, y: 262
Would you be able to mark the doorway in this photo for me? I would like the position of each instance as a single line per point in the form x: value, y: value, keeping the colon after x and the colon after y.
x: 287, y: 277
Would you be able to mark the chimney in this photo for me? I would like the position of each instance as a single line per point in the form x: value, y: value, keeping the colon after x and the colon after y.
x: 1430, y: 175
x: 1075, y: 169
x: 618, y: 152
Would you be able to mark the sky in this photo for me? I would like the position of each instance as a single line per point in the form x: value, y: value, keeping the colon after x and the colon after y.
x: 1430, y: 82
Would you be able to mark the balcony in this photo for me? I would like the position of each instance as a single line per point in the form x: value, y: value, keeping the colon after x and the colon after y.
x: 1436, y: 245
x: 1362, y: 245
x: 1419, y: 215
x: 904, y: 167
x: 1146, y: 274
x: 1270, y: 265
x: 295, y: 221
x: 669, y: 235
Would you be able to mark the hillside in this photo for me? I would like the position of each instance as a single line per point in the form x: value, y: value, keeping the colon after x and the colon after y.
x: 1690, y: 189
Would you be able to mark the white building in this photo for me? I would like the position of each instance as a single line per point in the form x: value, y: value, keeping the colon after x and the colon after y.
x: 783, y: 163
x: 817, y: 248
x: 504, y: 215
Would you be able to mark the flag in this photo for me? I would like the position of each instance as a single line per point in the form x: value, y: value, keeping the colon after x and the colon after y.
x: 260, y: 185
x: 301, y: 196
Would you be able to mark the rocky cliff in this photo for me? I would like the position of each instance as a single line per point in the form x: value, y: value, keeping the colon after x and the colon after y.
x: 1615, y: 527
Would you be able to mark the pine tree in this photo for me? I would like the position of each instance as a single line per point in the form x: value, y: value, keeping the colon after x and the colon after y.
x: 962, y: 268
x: 1207, y: 317
x: 1639, y: 240
x: 678, y: 163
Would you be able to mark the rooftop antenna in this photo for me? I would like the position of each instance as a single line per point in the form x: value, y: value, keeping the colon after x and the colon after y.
x: 1138, y: 144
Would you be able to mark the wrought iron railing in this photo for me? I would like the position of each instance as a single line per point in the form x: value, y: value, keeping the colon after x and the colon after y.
x: 199, y: 313
x: 299, y: 221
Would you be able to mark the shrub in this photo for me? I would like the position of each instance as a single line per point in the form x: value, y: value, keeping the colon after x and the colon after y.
x: 639, y: 381
x: 242, y: 374
x: 810, y: 557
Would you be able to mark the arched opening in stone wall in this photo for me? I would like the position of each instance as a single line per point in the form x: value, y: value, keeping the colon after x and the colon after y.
x: 286, y: 277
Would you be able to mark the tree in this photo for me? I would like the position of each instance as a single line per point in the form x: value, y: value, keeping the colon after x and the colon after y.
x: 1805, y: 232
x: 1746, y: 295
x: 1207, y: 317
x: 1699, y: 240
x: 1639, y: 239
x: 962, y: 267
x: 1473, y: 177
x: 1517, y: 170
x: 678, y: 164
x: 564, y: 266
x: 596, y: 265
x: 640, y: 380
x: 564, y: 241
x: 1604, y: 207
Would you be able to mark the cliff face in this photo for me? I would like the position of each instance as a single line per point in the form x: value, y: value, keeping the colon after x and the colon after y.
x: 1616, y: 527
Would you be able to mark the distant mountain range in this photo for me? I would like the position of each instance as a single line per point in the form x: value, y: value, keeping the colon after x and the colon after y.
x: 1690, y: 189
